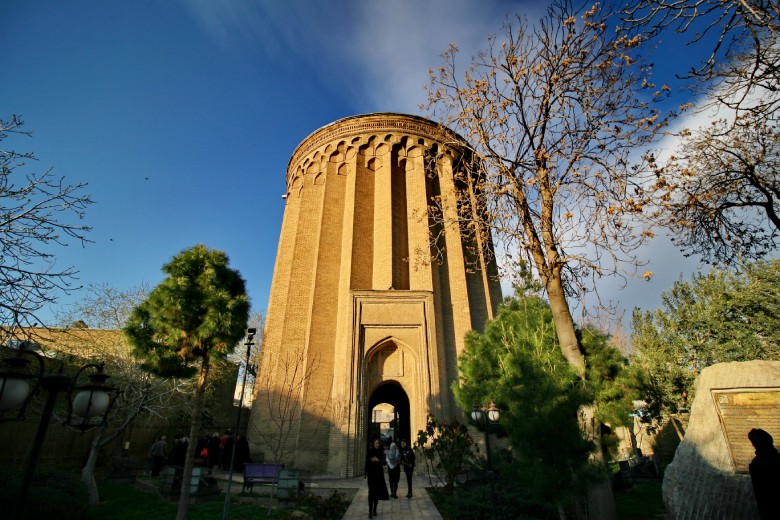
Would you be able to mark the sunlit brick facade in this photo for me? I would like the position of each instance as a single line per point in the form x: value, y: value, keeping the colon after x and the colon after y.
x: 365, y: 307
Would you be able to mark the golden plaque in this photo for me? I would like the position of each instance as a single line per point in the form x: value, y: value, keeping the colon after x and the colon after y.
x: 739, y: 411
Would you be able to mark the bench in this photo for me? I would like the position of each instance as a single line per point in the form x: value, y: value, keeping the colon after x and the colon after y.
x: 257, y: 473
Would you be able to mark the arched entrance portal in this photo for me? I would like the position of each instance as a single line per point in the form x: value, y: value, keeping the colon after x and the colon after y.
x: 389, y: 420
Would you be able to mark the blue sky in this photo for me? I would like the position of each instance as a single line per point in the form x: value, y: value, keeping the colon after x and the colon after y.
x: 182, y: 115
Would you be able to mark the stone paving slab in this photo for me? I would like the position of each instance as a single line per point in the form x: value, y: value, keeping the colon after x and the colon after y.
x: 419, y: 507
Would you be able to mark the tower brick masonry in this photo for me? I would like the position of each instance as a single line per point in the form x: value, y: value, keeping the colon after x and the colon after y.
x: 372, y: 296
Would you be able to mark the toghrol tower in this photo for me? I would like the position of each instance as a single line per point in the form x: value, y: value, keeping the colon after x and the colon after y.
x: 373, y: 292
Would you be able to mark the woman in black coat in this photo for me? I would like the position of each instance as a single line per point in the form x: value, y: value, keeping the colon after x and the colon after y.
x: 375, y: 473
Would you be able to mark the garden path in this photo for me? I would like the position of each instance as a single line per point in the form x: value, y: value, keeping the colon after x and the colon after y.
x: 419, y: 507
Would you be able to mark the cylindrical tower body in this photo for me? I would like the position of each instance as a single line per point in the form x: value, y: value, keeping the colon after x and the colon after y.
x: 372, y: 296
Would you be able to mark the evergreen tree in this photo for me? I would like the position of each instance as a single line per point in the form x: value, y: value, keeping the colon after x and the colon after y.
x: 724, y: 315
x: 613, y: 382
x: 199, y: 311
x: 517, y: 363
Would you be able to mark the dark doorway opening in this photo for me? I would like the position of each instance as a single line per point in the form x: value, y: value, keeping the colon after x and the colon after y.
x: 389, y: 420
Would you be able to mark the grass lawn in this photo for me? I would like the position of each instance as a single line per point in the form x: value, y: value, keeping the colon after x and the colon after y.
x: 126, y: 502
x: 641, y: 502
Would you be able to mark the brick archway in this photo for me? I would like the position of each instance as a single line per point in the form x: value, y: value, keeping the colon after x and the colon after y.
x: 391, y: 393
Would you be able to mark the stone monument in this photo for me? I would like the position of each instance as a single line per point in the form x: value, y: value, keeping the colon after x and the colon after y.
x: 708, y: 477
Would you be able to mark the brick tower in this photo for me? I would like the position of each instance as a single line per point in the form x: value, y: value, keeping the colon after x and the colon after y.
x: 371, y: 296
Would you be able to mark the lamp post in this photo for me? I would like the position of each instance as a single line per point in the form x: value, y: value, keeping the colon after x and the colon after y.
x: 490, y: 414
x: 250, y: 335
x: 88, y: 402
x: 483, y: 415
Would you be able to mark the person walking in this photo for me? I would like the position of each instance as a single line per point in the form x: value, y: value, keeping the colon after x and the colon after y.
x: 149, y: 458
x: 179, y: 451
x: 227, y: 452
x: 225, y: 449
x: 393, y: 469
x: 157, y: 452
x: 213, y: 447
x: 375, y: 474
x: 242, y: 454
x: 407, y: 459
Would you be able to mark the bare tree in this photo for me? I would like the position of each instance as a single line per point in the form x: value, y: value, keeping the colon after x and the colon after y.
x: 720, y: 189
x: 141, y: 395
x: 99, y: 317
x: 281, y: 401
x: 37, y: 211
x: 554, y: 112
x: 102, y: 307
x: 720, y: 192
x: 742, y: 39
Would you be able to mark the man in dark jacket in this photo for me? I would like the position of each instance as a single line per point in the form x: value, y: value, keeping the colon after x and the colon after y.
x: 407, y: 459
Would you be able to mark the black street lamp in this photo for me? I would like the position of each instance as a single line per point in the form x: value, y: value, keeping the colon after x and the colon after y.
x: 250, y: 335
x: 88, y: 403
x: 483, y: 415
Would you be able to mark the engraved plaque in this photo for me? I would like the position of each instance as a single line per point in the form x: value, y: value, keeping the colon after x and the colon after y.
x: 739, y: 411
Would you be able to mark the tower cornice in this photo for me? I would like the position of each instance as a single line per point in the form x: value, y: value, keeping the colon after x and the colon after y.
x: 352, y: 127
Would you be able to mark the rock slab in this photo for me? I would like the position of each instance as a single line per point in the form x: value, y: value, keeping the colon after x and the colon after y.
x: 700, y: 483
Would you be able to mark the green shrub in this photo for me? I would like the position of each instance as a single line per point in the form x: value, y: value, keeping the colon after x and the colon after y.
x: 446, y: 448
x: 476, y: 500
x: 331, y: 508
x: 642, y: 502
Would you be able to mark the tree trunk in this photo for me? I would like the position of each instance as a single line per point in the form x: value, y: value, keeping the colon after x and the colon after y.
x: 186, y: 478
x: 564, y: 323
x: 88, y: 471
x: 601, y: 502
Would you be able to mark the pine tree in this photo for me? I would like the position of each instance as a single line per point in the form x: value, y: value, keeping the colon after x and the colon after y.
x: 199, y: 311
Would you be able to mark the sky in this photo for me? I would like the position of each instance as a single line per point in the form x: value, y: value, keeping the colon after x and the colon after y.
x: 182, y: 115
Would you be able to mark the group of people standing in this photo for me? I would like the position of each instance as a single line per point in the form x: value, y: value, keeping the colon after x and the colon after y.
x: 159, y: 453
x: 213, y: 451
x: 395, y: 458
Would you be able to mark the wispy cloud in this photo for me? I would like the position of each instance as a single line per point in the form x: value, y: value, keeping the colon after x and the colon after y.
x: 397, y: 42
x: 375, y: 52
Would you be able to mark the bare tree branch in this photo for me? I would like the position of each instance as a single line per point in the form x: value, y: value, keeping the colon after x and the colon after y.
x: 554, y: 112
x: 37, y: 211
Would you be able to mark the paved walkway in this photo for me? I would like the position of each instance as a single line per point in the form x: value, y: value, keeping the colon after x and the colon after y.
x: 419, y: 507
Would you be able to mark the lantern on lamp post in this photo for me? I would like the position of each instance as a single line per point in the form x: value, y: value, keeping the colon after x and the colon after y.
x: 88, y: 403
x: 19, y: 380
x: 485, y: 416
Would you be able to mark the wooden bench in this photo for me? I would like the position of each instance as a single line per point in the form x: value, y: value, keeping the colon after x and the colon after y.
x: 257, y: 473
